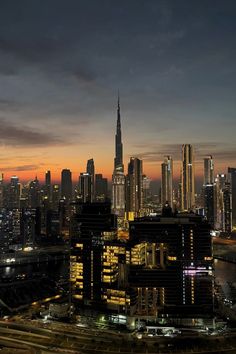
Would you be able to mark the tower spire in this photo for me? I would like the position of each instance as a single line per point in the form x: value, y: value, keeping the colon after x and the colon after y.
x: 118, y: 101
x: 118, y: 162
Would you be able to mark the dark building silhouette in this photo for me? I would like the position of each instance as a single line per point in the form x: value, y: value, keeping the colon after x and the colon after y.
x: 210, y: 203
x: 134, y: 187
x: 85, y: 187
x: 48, y: 186
x: 91, y: 171
x: 66, y: 185
x: 34, y: 193
x: 55, y: 196
x: 101, y: 187
x: 53, y: 224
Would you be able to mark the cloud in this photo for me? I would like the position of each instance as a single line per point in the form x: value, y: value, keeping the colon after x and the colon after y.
x: 221, y: 151
x: 8, y: 104
x: 12, y: 135
x: 21, y: 168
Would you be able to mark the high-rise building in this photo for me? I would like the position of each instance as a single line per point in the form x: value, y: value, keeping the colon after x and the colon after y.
x: 13, y: 193
x: 171, y: 266
x: 227, y: 208
x: 188, y: 182
x: 85, y: 187
x: 167, y: 181
x: 134, y: 187
x: 146, y: 190
x: 220, y: 182
x: 55, y: 196
x: 48, y: 186
x: 91, y: 171
x: 101, y: 188
x: 1, y: 190
x: 89, y: 226
x: 208, y: 170
x: 66, y: 185
x: 232, y: 180
x: 118, y: 178
x: 34, y: 193
x: 210, y: 203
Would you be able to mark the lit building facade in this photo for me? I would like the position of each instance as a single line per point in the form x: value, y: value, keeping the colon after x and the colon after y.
x: 171, y: 266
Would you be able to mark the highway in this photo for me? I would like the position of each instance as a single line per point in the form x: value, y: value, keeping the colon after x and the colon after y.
x: 55, y: 337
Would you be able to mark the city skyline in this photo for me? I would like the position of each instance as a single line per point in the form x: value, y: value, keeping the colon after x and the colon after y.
x: 59, y: 84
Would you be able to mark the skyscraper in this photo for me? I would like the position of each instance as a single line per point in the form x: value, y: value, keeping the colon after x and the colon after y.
x: 91, y: 171
x: 118, y: 178
x: 101, y: 188
x: 232, y: 180
x: 210, y: 203
x: 208, y: 170
x: 85, y: 187
x: 220, y: 181
x: 167, y: 181
x: 66, y: 185
x: 88, y: 227
x: 134, y: 186
x: 188, y: 183
x: 48, y: 186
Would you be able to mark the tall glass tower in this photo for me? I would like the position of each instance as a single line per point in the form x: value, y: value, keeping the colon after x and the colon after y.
x: 118, y: 178
x: 188, y: 180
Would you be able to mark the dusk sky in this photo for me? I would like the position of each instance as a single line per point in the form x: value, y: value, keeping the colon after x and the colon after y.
x: 62, y: 63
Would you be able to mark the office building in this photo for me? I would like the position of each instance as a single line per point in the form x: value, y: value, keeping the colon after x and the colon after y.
x: 187, y: 182
x: 89, y: 226
x: 170, y: 272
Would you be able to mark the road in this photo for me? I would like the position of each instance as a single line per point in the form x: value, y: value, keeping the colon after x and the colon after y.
x: 55, y: 337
